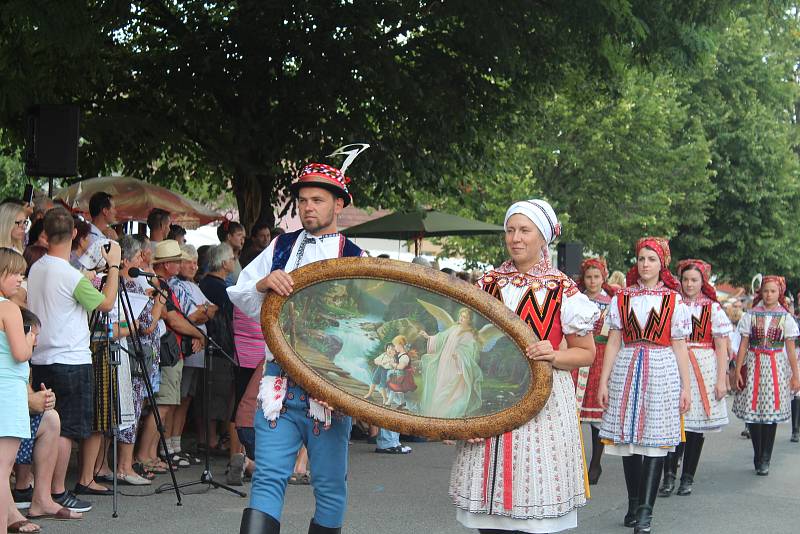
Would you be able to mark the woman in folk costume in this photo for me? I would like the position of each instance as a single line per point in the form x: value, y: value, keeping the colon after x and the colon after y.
x: 708, y: 356
x: 766, y: 374
x: 594, y: 284
x: 644, y: 386
x: 532, y: 478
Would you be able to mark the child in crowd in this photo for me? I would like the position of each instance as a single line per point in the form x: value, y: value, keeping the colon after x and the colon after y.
x: 16, y: 347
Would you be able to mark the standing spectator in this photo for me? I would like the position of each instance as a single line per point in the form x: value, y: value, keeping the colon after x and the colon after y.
x: 200, y: 310
x: 104, y: 214
x: 13, y: 223
x: 260, y: 237
x: 232, y: 233
x: 158, y: 223
x: 221, y: 392
x: 177, y: 233
x: 16, y: 346
x: 80, y: 243
x: 62, y: 298
x: 166, y: 264
x: 41, y: 205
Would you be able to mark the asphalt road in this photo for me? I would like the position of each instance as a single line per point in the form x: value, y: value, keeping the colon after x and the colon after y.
x: 408, y: 494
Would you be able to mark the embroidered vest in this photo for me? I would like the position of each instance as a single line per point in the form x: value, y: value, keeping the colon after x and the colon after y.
x: 657, y: 329
x: 543, y: 318
x: 701, y: 326
x: 285, y: 242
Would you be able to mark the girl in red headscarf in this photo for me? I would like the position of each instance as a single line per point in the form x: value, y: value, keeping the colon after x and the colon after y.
x: 766, y: 368
x: 594, y: 284
x: 644, y: 385
x: 708, y: 355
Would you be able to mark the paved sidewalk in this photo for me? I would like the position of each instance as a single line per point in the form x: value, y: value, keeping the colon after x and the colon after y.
x: 408, y: 494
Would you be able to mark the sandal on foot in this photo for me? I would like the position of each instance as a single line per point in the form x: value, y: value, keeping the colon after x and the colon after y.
x: 63, y: 514
x: 300, y: 479
x: 19, y: 525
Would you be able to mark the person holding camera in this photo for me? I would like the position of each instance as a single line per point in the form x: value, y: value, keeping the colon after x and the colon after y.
x: 63, y: 298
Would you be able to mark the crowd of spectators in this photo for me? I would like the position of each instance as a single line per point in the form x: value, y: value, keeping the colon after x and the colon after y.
x: 63, y: 280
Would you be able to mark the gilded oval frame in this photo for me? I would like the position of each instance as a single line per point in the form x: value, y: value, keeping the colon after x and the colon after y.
x: 427, y: 279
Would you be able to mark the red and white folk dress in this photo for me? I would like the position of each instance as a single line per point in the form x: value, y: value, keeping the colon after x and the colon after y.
x: 532, y: 478
x: 644, y: 388
x: 587, y: 379
x: 709, y: 322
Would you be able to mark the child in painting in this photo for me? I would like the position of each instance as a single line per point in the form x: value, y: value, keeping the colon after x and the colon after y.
x: 383, y: 363
x: 398, y: 373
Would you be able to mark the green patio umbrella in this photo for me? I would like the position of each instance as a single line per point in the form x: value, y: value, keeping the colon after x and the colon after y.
x: 418, y: 224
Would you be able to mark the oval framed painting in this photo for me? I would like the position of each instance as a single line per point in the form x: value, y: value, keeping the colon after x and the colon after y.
x: 406, y: 347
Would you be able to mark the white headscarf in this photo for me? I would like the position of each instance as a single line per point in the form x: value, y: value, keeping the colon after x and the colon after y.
x: 541, y: 214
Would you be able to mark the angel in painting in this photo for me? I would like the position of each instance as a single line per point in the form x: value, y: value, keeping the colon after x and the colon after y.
x: 451, y: 375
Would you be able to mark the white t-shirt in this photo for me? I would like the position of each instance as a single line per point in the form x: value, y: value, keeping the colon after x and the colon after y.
x: 64, y: 336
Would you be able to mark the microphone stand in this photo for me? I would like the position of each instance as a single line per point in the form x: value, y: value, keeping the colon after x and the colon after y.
x: 211, y: 349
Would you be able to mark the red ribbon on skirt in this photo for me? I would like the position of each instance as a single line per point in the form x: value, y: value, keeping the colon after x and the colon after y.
x: 701, y: 384
x: 757, y: 375
x: 508, y: 470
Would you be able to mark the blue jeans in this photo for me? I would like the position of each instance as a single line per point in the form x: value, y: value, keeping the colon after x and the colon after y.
x: 277, y: 444
x: 387, y: 439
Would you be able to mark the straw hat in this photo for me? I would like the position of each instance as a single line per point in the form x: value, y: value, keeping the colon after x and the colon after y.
x: 167, y: 250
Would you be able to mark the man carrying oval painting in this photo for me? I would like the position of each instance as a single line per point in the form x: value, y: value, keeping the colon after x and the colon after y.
x: 291, y: 419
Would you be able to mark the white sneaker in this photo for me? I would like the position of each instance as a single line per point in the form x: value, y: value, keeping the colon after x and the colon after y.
x: 133, y: 480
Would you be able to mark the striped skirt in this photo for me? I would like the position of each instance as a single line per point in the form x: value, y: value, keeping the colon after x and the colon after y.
x: 643, y: 397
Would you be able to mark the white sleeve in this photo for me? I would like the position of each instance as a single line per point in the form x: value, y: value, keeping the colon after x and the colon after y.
x: 720, y: 324
x: 578, y: 314
x: 744, y: 324
x: 244, y: 294
x: 612, y: 317
x: 681, y: 320
x: 790, y: 330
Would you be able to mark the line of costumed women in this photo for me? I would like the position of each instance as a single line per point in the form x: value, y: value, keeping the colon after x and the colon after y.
x: 708, y: 356
x: 766, y: 368
x: 645, y: 384
x: 593, y: 282
x: 532, y: 479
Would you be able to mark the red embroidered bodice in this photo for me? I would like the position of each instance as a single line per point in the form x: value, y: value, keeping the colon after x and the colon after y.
x: 701, y: 326
x: 658, y: 327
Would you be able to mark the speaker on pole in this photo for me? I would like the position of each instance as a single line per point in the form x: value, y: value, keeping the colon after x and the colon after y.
x: 51, y: 141
x: 570, y: 256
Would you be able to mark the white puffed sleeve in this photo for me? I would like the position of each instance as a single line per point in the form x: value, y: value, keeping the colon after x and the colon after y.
x: 578, y: 314
x: 681, y: 326
x: 244, y: 294
x: 613, y: 320
x: 790, y: 330
x: 744, y: 324
x: 720, y: 324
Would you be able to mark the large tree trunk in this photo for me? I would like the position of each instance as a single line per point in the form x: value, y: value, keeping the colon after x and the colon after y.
x: 253, y: 204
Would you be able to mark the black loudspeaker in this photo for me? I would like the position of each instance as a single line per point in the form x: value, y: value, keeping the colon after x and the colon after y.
x: 570, y: 256
x: 51, y: 141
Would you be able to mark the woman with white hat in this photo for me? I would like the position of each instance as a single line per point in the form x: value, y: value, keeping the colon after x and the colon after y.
x: 532, y: 479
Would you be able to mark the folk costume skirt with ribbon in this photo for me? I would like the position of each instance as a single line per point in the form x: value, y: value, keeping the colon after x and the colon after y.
x: 706, y: 414
x: 643, y: 414
x: 535, y: 472
x: 766, y: 397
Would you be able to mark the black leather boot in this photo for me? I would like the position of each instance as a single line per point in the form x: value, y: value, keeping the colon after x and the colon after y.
x: 767, y: 442
x: 671, y: 471
x: 595, y: 470
x: 694, y: 446
x: 632, y: 466
x: 314, y: 528
x: 795, y: 420
x: 648, y: 491
x: 755, y: 436
x: 257, y: 522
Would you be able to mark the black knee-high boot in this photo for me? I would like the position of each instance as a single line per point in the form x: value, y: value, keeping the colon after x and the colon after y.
x: 671, y: 471
x: 767, y: 442
x: 755, y: 436
x: 257, y: 522
x: 648, y: 490
x: 595, y: 470
x: 691, y: 457
x: 632, y: 466
x: 795, y: 420
x: 314, y: 528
